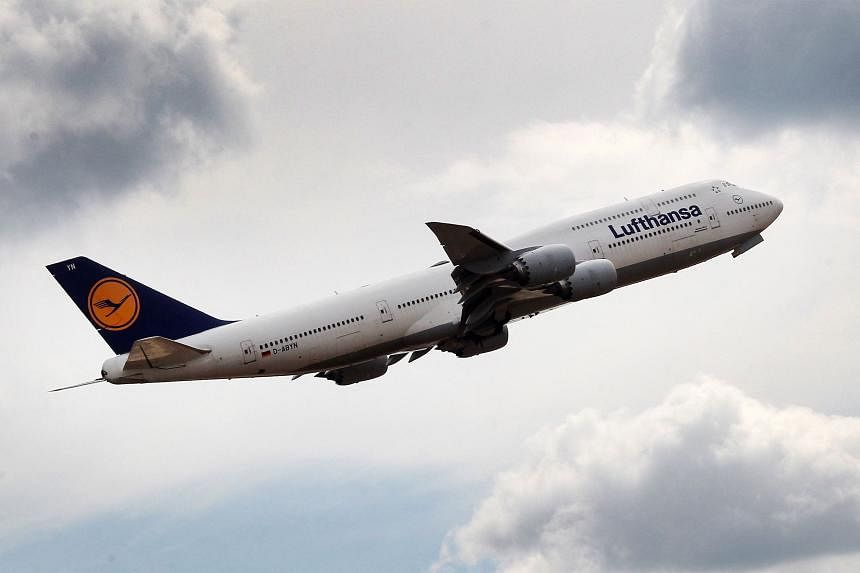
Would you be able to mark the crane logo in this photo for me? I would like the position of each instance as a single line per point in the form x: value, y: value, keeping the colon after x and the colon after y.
x: 113, y: 304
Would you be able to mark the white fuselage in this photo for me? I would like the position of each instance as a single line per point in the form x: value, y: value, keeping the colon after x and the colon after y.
x: 640, y: 237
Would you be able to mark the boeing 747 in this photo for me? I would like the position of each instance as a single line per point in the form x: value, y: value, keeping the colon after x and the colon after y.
x: 461, y: 305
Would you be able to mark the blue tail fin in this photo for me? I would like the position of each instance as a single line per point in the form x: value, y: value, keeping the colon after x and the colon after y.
x: 124, y: 310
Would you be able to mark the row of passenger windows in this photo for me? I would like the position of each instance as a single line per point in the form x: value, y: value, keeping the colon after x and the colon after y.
x: 427, y: 298
x: 649, y: 234
x: 607, y: 219
x: 317, y: 330
x: 628, y: 213
x: 676, y: 199
x: 749, y: 208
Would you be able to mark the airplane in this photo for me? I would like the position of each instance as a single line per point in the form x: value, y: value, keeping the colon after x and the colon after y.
x: 461, y: 305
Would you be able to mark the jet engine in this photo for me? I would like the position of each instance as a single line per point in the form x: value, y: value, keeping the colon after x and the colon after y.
x: 473, y: 346
x: 590, y: 279
x: 543, y: 266
x: 357, y: 372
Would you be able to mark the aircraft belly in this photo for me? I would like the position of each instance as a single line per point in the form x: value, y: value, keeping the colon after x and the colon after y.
x: 643, y: 270
x: 678, y: 260
x: 412, y: 341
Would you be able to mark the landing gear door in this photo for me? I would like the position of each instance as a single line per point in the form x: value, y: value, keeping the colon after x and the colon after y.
x: 384, y: 311
x: 248, y: 353
x: 650, y: 206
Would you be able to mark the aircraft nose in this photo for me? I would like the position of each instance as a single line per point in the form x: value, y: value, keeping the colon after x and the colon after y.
x: 774, y: 210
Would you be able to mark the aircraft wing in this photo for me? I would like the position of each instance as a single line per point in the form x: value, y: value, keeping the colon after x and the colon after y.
x: 470, y: 248
x: 160, y: 352
x: 478, y: 260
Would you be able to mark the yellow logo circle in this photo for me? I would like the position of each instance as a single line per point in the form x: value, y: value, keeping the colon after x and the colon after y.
x: 113, y: 304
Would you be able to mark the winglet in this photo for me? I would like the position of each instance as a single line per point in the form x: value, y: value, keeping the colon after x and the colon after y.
x: 469, y: 247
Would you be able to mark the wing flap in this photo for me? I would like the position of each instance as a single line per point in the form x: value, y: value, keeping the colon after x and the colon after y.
x: 160, y: 352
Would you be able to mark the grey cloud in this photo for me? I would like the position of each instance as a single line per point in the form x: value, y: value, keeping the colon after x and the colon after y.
x: 103, y: 98
x: 709, y: 479
x: 763, y: 65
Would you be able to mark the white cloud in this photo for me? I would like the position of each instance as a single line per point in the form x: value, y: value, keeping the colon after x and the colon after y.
x: 708, y: 479
x: 582, y: 165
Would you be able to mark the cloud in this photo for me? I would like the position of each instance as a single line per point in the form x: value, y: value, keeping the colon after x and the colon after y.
x: 758, y: 66
x: 100, y: 98
x: 582, y: 164
x: 708, y: 479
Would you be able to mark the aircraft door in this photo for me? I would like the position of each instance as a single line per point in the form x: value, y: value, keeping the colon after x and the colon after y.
x: 248, y: 353
x: 712, y: 217
x: 596, y: 250
x: 650, y: 206
x: 384, y: 311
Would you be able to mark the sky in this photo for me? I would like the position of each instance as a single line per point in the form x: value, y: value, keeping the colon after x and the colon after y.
x: 245, y: 157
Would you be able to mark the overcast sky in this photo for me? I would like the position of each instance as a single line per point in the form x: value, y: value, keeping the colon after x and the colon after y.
x: 246, y: 157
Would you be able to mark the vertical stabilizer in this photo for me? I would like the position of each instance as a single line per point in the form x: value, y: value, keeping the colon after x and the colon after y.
x: 124, y: 310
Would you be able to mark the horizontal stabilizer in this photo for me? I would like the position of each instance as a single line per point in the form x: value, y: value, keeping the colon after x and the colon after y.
x: 469, y: 247
x: 160, y: 352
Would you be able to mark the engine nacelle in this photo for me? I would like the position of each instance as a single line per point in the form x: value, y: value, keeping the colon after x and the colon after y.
x: 543, y: 266
x: 359, y: 372
x: 475, y: 346
x: 591, y: 278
